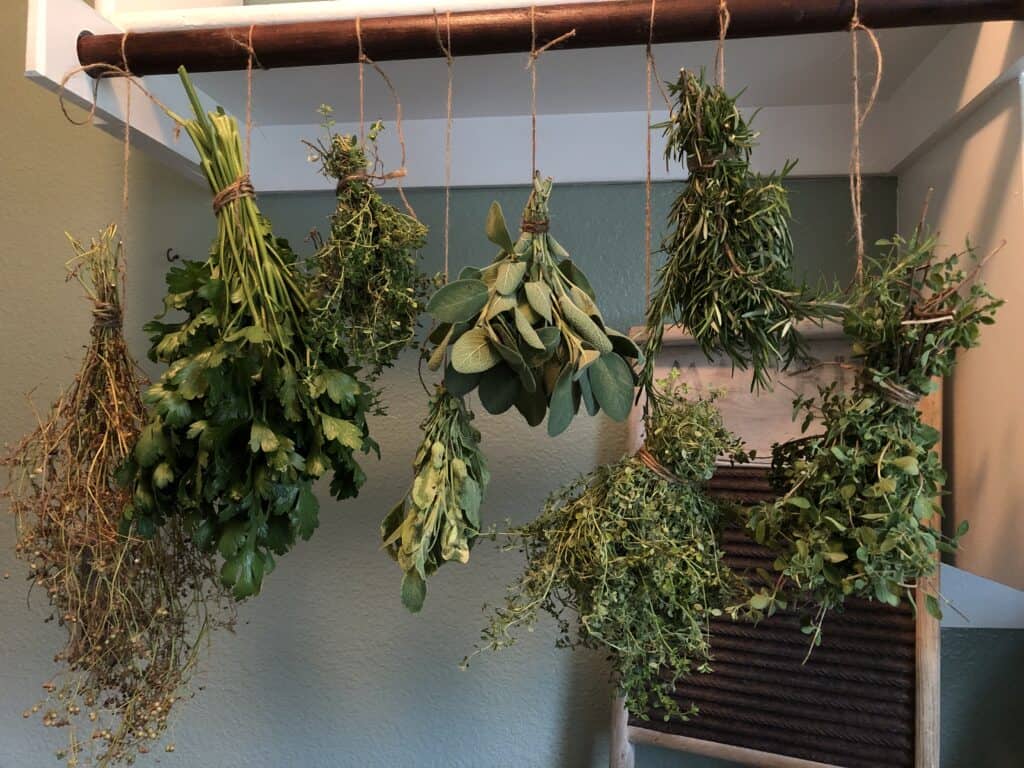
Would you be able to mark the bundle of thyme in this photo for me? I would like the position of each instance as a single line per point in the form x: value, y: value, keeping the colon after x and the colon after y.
x: 853, y: 517
x: 727, y: 278
x: 439, y: 519
x: 135, y: 609
x: 368, y: 290
x: 627, y: 559
x: 248, y: 413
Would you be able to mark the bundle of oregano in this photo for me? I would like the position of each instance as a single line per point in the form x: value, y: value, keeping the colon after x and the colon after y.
x: 633, y: 551
x: 135, y: 609
x: 526, y: 330
x: 248, y: 414
x: 368, y: 290
x: 856, y: 500
x: 439, y: 519
x: 726, y: 278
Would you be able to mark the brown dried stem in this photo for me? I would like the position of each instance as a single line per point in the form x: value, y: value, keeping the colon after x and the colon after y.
x: 135, y: 608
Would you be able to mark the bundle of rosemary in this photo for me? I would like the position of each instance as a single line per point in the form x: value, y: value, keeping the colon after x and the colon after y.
x: 368, y: 290
x: 856, y: 500
x: 135, y: 609
x: 526, y: 330
x: 633, y: 550
x: 726, y: 278
x: 246, y: 417
x: 439, y: 520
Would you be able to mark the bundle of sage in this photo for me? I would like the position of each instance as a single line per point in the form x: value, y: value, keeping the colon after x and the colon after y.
x: 726, y: 278
x: 245, y: 418
x: 526, y: 330
x: 135, y: 610
x: 368, y: 290
x: 857, y: 499
x: 633, y: 550
x: 439, y: 519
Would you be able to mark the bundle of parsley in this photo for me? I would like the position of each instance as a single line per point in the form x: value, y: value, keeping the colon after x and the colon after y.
x: 856, y: 501
x: 726, y: 278
x: 246, y: 417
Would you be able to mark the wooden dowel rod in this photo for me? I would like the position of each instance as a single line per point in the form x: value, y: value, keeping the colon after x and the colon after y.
x: 474, y: 33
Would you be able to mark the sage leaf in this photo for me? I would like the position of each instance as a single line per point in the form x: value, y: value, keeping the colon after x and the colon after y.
x: 560, y: 407
x: 612, y: 383
x: 459, y: 301
x: 496, y: 229
x: 474, y: 352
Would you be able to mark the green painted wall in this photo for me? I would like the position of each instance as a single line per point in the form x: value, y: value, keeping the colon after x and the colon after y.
x: 327, y: 669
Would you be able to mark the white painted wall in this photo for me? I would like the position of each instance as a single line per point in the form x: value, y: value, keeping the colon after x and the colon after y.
x: 976, y: 172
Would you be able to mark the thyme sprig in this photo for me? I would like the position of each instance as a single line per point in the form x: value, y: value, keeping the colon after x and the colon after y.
x: 629, y: 562
x: 368, y: 289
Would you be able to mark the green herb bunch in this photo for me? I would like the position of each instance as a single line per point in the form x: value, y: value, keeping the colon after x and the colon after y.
x: 368, y: 290
x: 439, y: 519
x: 246, y: 417
x: 526, y: 330
x: 633, y: 553
x: 856, y: 500
x: 726, y: 278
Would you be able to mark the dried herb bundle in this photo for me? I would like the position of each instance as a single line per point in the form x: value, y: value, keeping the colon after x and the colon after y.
x: 727, y: 274
x: 526, y: 330
x: 135, y: 609
x: 439, y: 520
x: 247, y: 415
x: 368, y: 290
x: 853, y: 517
x: 633, y: 553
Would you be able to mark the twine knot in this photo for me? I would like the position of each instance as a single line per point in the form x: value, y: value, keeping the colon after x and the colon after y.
x: 650, y: 461
x: 236, y: 190
x: 893, y: 393
x: 534, y: 227
x: 106, y: 315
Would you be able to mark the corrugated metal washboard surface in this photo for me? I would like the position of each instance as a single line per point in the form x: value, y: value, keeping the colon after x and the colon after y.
x: 851, y: 704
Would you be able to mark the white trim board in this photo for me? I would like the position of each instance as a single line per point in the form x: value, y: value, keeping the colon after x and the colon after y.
x: 962, y: 71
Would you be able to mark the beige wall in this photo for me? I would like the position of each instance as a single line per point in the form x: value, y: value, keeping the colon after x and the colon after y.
x: 976, y: 172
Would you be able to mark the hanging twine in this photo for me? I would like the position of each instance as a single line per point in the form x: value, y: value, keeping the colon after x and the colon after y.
x: 446, y: 49
x: 724, y: 17
x: 400, y: 172
x: 860, y: 114
x: 127, y: 153
x: 535, y: 53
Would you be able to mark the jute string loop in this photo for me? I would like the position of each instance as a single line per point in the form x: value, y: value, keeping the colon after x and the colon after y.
x: 535, y: 53
x: 724, y: 17
x: 236, y: 190
x: 860, y: 114
x: 400, y: 172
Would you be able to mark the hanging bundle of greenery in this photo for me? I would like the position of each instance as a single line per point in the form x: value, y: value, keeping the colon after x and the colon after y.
x: 248, y: 414
x: 526, y: 330
x: 135, y: 609
x: 368, y: 290
x: 439, y: 519
x: 855, y: 503
x: 726, y: 278
x: 633, y: 550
